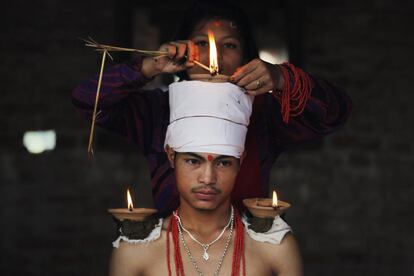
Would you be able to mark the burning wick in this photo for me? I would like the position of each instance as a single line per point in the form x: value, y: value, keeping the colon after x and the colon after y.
x: 214, y: 69
x: 130, y: 205
x: 274, y: 200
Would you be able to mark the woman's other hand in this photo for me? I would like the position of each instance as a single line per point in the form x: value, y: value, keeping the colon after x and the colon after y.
x: 258, y: 77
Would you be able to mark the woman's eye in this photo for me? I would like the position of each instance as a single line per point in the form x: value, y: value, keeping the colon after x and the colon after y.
x: 230, y: 46
x: 201, y: 43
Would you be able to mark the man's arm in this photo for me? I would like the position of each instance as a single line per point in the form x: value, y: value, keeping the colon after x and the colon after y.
x: 285, y: 259
x: 125, y: 261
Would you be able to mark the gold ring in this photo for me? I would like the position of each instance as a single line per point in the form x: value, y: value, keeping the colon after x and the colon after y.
x: 258, y: 84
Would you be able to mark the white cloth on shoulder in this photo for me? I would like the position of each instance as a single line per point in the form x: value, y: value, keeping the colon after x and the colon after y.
x: 275, y: 234
x: 154, y: 235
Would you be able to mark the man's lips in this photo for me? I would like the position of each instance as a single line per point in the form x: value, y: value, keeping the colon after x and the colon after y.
x: 206, y: 191
x: 205, y: 194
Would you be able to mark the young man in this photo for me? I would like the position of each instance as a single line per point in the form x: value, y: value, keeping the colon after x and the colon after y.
x: 206, y: 235
x: 205, y: 182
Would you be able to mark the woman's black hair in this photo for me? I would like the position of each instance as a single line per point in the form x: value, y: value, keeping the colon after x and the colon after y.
x: 204, y: 9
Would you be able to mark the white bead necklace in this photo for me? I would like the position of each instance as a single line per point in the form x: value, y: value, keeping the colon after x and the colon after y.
x: 205, y: 246
x: 220, y: 263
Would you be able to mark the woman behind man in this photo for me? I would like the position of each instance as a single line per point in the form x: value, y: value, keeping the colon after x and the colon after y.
x: 301, y: 107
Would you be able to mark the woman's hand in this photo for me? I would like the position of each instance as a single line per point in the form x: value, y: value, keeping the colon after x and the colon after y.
x: 180, y: 56
x: 258, y: 77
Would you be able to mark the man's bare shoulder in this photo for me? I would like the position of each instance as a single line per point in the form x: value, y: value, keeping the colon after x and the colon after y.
x: 135, y: 258
x: 283, y: 258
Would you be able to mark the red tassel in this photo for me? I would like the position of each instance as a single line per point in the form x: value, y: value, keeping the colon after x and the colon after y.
x: 294, y: 99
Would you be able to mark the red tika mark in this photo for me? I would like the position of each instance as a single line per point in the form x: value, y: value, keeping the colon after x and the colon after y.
x: 210, y: 158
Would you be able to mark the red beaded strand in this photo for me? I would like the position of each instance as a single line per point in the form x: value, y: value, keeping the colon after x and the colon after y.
x: 178, y: 261
x: 242, y: 249
x: 177, y: 252
x: 168, y: 249
x: 238, y: 251
x: 294, y: 99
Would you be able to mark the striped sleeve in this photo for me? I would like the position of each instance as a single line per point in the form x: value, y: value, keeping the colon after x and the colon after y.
x: 123, y: 106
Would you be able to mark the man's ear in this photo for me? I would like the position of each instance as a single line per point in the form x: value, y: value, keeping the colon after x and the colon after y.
x: 170, y: 155
x: 244, y: 154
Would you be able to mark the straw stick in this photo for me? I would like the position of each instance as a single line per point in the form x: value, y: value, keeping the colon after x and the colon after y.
x: 201, y: 65
x: 95, y: 108
x: 90, y: 42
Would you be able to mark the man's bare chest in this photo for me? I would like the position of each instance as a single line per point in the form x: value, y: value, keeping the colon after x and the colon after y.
x: 158, y: 264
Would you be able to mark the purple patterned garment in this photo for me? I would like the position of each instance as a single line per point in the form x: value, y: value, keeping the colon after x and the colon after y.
x: 142, y: 116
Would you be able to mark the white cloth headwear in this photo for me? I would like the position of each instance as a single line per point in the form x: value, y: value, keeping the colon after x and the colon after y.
x: 208, y: 117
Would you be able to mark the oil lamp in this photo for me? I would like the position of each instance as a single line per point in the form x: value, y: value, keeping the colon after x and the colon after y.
x: 131, y: 213
x: 266, y: 207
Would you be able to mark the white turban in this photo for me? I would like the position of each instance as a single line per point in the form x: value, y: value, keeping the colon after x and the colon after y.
x: 208, y: 117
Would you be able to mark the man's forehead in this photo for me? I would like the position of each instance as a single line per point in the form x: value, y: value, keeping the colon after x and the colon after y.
x: 207, y: 156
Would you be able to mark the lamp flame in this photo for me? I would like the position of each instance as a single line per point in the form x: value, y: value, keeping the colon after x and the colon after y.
x: 130, y: 204
x: 274, y: 200
x: 213, y: 54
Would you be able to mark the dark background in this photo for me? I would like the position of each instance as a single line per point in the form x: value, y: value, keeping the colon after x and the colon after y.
x: 352, y: 194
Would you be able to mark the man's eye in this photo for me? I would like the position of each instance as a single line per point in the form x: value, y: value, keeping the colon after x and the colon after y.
x: 224, y: 163
x: 192, y: 161
x: 201, y: 43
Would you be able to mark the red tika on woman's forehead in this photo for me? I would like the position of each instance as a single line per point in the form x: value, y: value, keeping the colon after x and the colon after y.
x: 210, y: 157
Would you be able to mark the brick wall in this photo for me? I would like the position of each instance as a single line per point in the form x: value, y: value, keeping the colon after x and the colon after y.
x: 354, y: 209
x: 351, y: 195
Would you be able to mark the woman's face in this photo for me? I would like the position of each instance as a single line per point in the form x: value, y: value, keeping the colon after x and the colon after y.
x: 228, y: 43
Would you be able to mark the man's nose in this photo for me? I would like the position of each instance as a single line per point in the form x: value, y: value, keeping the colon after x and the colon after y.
x: 208, y: 175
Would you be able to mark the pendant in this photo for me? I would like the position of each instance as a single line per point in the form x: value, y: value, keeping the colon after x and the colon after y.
x: 205, y: 255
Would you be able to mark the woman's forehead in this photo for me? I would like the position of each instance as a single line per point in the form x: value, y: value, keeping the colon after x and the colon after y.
x: 222, y: 26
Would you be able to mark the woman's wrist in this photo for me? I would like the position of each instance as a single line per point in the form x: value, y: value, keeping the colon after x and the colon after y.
x: 148, y: 68
x: 280, y: 81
